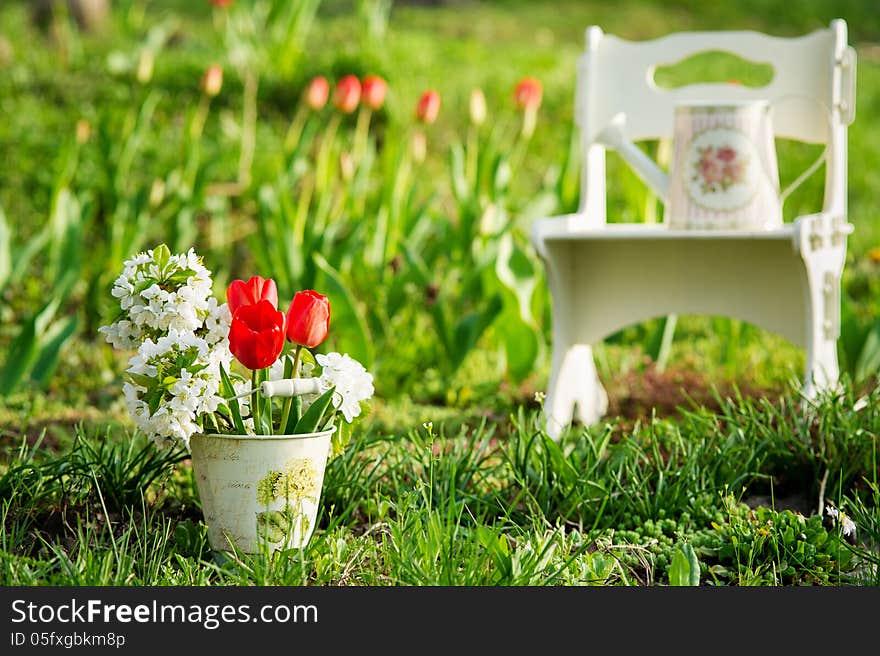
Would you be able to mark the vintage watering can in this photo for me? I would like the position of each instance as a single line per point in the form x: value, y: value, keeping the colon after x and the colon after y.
x: 723, y: 173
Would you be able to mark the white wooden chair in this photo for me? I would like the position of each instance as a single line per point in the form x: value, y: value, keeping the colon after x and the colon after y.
x: 603, y: 277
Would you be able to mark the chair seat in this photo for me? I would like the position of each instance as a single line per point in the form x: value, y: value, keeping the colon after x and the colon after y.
x: 572, y: 227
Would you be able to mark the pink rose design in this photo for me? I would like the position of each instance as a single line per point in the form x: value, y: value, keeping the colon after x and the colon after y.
x: 710, y: 169
x: 726, y: 154
x: 735, y: 171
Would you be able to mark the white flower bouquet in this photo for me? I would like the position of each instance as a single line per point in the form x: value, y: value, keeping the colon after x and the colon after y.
x: 181, y: 379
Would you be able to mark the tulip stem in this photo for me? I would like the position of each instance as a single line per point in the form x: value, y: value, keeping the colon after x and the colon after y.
x: 196, y: 129
x: 248, y: 129
x: 288, y: 402
x: 255, y: 402
x: 264, y: 376
x: 472, y: 159
x: 361, y: 132
x: 295, y: 131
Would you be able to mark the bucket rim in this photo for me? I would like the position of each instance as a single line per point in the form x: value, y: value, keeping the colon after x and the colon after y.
x: 267, y: 438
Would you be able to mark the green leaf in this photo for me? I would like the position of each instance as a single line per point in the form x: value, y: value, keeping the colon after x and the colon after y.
x: 521, y: 344
x: 868, y: 362
x: 516, y: 272
x: 21, y: 256
x: 502, y: 175
x: 852, y: 335
x: 161, y: 255
x: 341, y: 437
x: 684, y: 570
x: 457, y: 173
x: 310, y: 421
x: 140, y: 379
x: 471, y: 327
x: 70, y: 249
x: 5, y: 250
x: 20, y: 355
x: 658, y: 343
x: 296, y: 408
x: 50, y: 348
x: 228, y: 391
x: 181, y: 276
x: 347, y: 324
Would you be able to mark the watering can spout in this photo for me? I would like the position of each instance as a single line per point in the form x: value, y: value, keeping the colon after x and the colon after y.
x: 614, y: 137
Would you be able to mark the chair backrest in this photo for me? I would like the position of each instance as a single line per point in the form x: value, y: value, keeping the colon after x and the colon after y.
x: 616, y: 75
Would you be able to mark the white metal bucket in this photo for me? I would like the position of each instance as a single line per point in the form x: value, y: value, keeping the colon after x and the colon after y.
x: 260, y: 491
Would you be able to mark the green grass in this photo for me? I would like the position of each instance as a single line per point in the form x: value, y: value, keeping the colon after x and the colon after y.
x: 494, y: 503
x: 479, y: 495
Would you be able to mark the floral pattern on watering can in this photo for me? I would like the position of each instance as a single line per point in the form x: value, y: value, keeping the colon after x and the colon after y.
x: 725, y: 170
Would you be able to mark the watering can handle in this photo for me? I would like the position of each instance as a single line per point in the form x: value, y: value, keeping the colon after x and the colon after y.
x: 815, y: 165
x: 614, y: 137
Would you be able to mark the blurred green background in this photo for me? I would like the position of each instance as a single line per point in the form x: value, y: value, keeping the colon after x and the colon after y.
x: 55, y: 75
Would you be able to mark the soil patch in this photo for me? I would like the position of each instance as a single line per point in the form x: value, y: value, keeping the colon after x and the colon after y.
x: 639, y: 395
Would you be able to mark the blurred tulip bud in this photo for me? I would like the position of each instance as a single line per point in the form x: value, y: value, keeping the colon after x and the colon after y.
x: 478, y: 107
x: 221, y: 3
x: 418, y: 146
x: 874, y: 255
x: 527, y: 93
x: 157, y: 192
x: 346, y: 166
x: 212, y: 80
x: 347, y: 94
x: 317, y: 92
x: 83, y: 131
x: 428, y: 107
x: 145, y: 66
x: 374, y: 89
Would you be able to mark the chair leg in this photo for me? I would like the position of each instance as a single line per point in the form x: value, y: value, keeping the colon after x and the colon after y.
x: 822, y: 369
x: 574, y: 387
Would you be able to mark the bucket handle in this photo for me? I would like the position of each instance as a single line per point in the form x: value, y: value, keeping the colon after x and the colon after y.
x: 285, y: 387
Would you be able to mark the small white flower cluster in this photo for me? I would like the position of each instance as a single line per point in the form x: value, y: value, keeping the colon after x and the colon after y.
x: 178, y: 376
x: 159, y: 293
x: 847, y: 526
x: 353, y: 382
x: 181, y: 336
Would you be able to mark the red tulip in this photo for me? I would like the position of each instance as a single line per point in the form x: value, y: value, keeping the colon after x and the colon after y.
x: 308, y: 319
x: 374, y: 89
x: 347, y: 94
x: 253, y: 291
x: 256, y: 335
x: 428, y: 107
x: 221, y: 3
x: 527, y: 93
x: 317, y: 92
